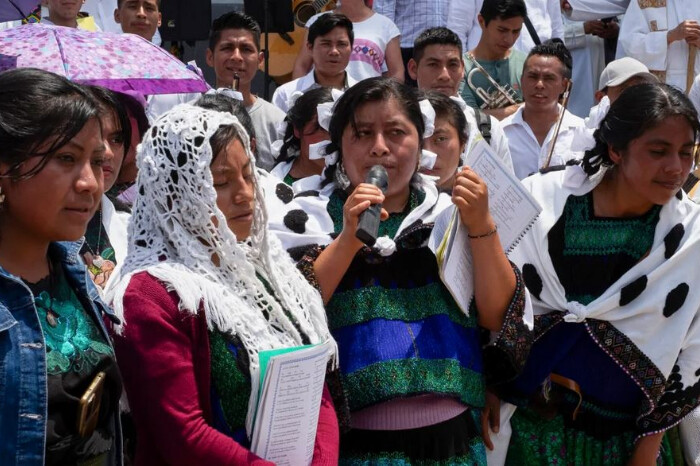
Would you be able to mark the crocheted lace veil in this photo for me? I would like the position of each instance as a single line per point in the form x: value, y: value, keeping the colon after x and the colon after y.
x: 173, y: 238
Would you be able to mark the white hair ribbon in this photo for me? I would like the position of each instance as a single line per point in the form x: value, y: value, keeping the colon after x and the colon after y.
x: 459, y: 101
x: 325, y: 110
x: 317, y: 150
x: 293, y: 98
x: 583, y: 139
x: 427, y: 159
x: 428, y: 113
x: 227, y: 92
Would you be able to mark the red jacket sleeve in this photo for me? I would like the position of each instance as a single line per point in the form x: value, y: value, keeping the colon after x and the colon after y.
x: 159, y: 355
x: 327, y: 434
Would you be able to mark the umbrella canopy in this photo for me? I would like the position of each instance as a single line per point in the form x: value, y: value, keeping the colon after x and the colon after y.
x: 121, y: 62
x: 13, y: 10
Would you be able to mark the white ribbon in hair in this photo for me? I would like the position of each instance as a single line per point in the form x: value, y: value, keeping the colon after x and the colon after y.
x: 317, y: 151
x: 459, y: 101
x: 325, y: 110
x: 427, y: 159
x: 428, y: 113
x: 583, y: 139
x: 293, y: 98
x: 227, y: 92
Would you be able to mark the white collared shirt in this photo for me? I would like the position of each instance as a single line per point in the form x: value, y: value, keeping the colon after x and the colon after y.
x: 282, y: 94
x: 527, y: 154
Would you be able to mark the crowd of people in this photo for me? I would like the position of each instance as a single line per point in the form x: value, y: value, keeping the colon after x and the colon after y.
x: 153, y: 246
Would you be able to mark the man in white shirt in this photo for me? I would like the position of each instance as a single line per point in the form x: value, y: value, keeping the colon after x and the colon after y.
x: 662, y: 34
x: 234, y: 53
x: 330, y: 41
x: 437, y: 65
x: 531, y: 130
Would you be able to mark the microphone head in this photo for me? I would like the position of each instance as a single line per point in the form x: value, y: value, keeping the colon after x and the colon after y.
x: 378, y: 176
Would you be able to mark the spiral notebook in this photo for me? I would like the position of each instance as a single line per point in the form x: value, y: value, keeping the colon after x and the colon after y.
x: 512, y: 207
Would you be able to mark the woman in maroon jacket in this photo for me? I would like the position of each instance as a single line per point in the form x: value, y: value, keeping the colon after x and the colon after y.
x: 202, y: 290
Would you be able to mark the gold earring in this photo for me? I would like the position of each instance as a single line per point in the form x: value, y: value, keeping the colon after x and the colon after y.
x: 2, y: 197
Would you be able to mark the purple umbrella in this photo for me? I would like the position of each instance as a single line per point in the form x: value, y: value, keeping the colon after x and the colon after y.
x: 121, y: 62
x: 13, y: 10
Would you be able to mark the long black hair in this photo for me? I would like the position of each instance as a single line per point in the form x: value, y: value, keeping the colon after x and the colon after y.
x: 637, y: 109
x: 302, y: 112
x: 40, y: 112
x: 109, y: 101
x: 375, y: 89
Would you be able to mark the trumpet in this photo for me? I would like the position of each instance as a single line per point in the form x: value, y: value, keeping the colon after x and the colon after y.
x: 501, y: 96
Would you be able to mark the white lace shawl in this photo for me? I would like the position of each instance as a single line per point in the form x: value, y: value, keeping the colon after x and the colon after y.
x: 176, y: 230
x: 656, y: 304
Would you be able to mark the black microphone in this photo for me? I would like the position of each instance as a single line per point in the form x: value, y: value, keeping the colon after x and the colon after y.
x: 368, y: 223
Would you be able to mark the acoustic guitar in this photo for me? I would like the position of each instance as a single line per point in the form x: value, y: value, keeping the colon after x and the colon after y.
x: 285, y: 47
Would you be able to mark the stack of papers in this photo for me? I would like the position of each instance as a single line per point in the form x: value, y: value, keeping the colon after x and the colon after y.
x: 291, y: 387
x: 512, y: 207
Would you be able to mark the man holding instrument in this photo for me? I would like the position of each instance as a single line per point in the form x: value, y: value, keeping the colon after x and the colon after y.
x: 532, y: 130
x: 493, y: 68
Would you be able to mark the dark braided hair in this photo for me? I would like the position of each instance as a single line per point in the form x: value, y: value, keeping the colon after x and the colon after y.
x: 637, y: 109
x: 302, y: 112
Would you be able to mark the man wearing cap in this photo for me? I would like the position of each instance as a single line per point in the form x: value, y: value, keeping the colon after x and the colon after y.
x: 619, y: 75
x: 615, y: 78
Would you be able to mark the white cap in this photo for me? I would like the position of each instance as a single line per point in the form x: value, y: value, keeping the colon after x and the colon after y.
x: 619, y: 71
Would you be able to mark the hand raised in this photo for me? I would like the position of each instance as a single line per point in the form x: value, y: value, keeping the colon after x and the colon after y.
x: 471, y: 196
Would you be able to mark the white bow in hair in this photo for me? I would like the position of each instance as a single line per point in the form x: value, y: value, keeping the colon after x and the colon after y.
x: 427, y: 159
x: 227, y: 92
x: 325, y: 110
x: 317, y: 151
x: 293, y: 98
x: 428, y: 113
x: 459, y: 101
x: 584, y: 139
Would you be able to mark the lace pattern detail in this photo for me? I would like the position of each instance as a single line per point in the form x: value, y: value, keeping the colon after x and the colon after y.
x: 178, y: 235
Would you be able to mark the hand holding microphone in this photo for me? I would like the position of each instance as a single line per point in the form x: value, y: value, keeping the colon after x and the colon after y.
x: 363, y: 211
x: 368, y: 224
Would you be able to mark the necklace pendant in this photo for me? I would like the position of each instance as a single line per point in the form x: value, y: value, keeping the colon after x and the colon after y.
x: 51, y: 318
x: 98, y: 261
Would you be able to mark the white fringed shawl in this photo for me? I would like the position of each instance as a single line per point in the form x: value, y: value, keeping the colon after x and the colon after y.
x: 176, y: 230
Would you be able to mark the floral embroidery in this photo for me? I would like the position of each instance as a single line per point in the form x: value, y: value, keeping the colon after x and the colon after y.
x: 75, y: 343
